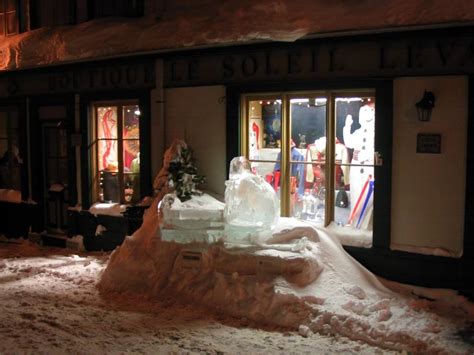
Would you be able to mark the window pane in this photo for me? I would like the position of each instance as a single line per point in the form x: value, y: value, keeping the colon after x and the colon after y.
x: 270, y: 172
x: 3, y: 125
x: 131, y: 155
x: 264, y: 139
x: 62, y: 143
x: 307, y: 195
x: 52, y: 143
x: 12, y: 23
x: 355, y: 133
x: 131, y: 185
x: 109, y: 186
x: 2, y: 25
x: 108, y: 158
x: 107, y: 122
x: 308, y: 145
x: 63, y: 171
x: 2, y: 9
x: 3, y: 147
x: 10, y: 5
x: 107, y: 134
x: 131, y: 122
x: 52, y: 171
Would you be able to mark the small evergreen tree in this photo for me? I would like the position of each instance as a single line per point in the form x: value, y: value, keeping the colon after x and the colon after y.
x: 183, y: 177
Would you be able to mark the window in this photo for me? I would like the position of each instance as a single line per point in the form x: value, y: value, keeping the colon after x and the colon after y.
x: 106, y: 8
x: 8, y: 17
x: 116, y: 153
x: 47, y: 13
x: 10, y: 177
x: 317, y: 151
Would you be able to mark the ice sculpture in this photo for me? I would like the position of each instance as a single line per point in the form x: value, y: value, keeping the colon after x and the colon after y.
x: 199, y: 219
x: 251, y: 205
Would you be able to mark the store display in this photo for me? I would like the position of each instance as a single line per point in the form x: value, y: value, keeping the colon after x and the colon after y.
x: 351, y: 166
x: 362, y: 170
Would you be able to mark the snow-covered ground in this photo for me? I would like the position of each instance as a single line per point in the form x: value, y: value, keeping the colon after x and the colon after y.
x: 49, y: 304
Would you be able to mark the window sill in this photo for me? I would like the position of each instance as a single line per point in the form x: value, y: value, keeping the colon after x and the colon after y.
x: 351, y: 237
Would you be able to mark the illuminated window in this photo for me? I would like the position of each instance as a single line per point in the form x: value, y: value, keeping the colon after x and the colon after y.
x: 317, y: 151
x: 116, y: 153
x: 10, y: 177
x: 8, y: 17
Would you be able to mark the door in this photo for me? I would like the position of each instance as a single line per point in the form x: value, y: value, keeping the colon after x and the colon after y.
x: 55, y: 175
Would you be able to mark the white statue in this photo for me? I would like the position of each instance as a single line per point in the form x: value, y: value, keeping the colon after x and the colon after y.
x: 362, y: 141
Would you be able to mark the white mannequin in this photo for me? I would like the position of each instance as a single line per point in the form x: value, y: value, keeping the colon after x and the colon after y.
x: 362, y: 141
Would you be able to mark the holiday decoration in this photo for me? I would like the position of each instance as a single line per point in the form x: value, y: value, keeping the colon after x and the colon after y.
x: 182, y: 175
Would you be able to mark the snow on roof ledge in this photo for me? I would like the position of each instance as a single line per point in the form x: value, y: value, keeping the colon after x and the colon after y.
x: 214, y: 23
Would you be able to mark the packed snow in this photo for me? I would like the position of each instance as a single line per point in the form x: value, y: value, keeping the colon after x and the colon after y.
x: 296, y: 277
x: 186, y: 23
x: 49, y: 304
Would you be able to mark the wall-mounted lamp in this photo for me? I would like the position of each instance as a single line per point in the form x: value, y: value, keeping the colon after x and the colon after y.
x: 425, y: 106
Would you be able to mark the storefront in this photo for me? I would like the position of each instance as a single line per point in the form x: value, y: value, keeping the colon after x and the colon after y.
x: 331, y: 123
x: 81, y: 136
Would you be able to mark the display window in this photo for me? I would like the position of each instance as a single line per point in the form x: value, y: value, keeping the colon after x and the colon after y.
x: 116, y: 153
x: 10, y: 160
x: 317, y: 152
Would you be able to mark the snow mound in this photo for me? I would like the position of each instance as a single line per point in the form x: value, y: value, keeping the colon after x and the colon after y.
x: 304, y: 283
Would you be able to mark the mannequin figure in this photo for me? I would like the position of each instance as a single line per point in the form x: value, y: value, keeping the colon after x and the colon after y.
x: 297, y: 170
x: 316, y: 153
x: 362, y: 141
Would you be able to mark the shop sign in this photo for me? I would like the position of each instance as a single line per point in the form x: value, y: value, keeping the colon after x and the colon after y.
x: 100, y: 78
x: 326, y: 59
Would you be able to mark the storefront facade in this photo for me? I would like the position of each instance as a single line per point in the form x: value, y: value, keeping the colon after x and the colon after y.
x: 292, y: 109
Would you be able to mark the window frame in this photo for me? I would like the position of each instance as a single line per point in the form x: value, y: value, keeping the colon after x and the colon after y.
x: 9, y: 138
x: 285, y: 160
x: 5, y: 14
x: 94, y: 159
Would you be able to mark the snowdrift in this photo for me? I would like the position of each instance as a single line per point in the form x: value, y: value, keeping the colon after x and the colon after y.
x: 331, y: 294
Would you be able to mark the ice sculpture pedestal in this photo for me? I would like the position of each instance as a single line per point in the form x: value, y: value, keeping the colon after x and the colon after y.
x: 199, y: 219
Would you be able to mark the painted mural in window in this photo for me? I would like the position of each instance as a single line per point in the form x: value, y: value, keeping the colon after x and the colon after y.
x: 8, y: 18
x: 304, y: 186
x: 118, y: 152
x: 10, y: 160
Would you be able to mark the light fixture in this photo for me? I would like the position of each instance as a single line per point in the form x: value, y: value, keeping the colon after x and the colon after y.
x: 425, y: 106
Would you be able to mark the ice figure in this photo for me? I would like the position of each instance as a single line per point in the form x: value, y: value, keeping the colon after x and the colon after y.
x: 251, y: 205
